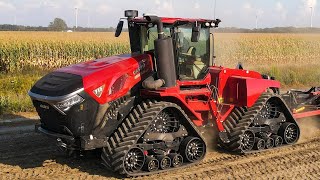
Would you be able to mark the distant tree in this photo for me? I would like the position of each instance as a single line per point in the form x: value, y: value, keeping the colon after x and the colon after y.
x: 58, y: 24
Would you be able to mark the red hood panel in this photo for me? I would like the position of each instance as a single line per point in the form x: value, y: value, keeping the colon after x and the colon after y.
x: 106, y: 71
x: 90, y: 67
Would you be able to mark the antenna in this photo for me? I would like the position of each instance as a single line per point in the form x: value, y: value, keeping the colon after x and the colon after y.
x: 214, y: 8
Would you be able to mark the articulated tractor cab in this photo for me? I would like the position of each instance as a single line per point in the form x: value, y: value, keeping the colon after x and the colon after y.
x: 142, y: 109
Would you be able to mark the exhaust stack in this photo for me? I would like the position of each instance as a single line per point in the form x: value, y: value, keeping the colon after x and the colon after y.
x: 164, y: 54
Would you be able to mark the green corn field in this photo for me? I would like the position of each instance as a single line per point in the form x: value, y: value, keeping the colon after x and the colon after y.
x: 294, y: 59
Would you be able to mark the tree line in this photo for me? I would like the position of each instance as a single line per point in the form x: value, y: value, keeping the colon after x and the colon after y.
x: 59, y: 24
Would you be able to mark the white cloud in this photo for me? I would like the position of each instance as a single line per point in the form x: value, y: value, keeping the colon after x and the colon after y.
x: 104, y: 9
x: 307, y: 4
x: 260, y: 12
x: 165, y: 7
x: 247, y: 6
x: 310, y: 3
x: 197, y: 5
x: 281, y: 10
x: 79, y: 4
x: 4, y: 5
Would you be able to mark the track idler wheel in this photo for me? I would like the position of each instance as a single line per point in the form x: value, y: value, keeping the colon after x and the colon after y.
x: 164, y: 162
x: 176, y: 159
x: 192, y: 149
x: 278, y: 141
x: 269, y: 143
x: 259, y: 144
x: 151, y: 164
x: 134, y: 160
x: 289, y: 132
x: 247, y: 141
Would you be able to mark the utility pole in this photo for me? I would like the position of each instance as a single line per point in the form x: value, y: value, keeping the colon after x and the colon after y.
x: 257, y: 21
x: 311, y: 17
x: 89, y: 21
x: 76, y: 16
x: 15, y: 19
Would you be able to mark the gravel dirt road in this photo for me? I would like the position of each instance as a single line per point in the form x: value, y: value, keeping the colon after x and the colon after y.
x: 25, y: 154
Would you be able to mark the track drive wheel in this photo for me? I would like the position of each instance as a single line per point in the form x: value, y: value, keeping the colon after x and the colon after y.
x: 134, y: 160
x: 247, y: 141
x: 192, y: 149
x: 289, y: 133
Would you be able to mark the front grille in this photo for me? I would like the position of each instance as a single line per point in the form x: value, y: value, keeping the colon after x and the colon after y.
x: 51, y: 119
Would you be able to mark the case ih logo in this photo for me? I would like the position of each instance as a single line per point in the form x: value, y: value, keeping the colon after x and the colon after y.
x: 44, y: 106
x: 142, y: 65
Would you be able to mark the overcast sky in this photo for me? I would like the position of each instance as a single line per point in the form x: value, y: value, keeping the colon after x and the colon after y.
x: 106, y: 13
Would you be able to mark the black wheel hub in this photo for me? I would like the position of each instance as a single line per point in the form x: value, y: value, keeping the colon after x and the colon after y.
x: 270, y: 110
x: 152, y: 164
x: 165, y: 122
x: 176, y: 159
x: 269, y: 143
x: 277, y: 140
x: 165, y: 162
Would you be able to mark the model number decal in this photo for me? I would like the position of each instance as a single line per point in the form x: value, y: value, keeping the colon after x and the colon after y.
x: 142, y: 68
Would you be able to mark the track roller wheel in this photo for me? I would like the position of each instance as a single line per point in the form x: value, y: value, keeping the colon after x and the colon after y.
x: 151, y: 164
x: 289, y: 133
x: 247, y: 141
x: 278, y: 141
x: 192, y: 149
x: 176, y: 159
x: 164, y: 162
x: 269, y: 143
x: 134, y: 160
x: 259, y: 144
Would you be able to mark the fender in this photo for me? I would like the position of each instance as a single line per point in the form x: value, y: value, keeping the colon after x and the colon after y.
x: 244, y: 91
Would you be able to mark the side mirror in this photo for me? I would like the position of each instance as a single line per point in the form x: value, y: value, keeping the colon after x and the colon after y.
x: 195, y: 34
x: 119, y: 29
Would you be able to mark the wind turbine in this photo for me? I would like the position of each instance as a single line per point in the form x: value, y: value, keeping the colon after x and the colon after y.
x: 76, y: 16
x: 311, y: 17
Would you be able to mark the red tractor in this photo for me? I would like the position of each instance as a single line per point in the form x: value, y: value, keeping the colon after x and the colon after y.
x: 143, y: 109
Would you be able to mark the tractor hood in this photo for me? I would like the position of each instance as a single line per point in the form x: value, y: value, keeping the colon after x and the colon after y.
x: 96, y: 66
x: 114, y: 76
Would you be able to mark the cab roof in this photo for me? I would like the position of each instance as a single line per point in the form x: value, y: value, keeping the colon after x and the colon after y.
x: 168, y: 20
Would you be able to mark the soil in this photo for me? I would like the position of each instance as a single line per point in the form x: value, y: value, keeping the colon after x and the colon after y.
x: 18, y: 115
x: 28, y: 155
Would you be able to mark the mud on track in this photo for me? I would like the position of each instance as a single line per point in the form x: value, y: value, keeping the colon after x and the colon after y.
x: 27, y: 155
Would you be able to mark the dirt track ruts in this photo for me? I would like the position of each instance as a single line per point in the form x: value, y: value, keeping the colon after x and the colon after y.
x: 34, y: 156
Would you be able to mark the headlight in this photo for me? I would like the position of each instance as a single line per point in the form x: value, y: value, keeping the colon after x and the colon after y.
x: 67, y: 104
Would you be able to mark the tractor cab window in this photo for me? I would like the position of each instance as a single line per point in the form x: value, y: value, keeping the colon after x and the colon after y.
x: 193, y: 57
x: 150, y: 35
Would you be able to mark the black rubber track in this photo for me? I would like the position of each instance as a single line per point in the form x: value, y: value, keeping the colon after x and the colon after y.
x: 240, y: 120
x: 130, y: 131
